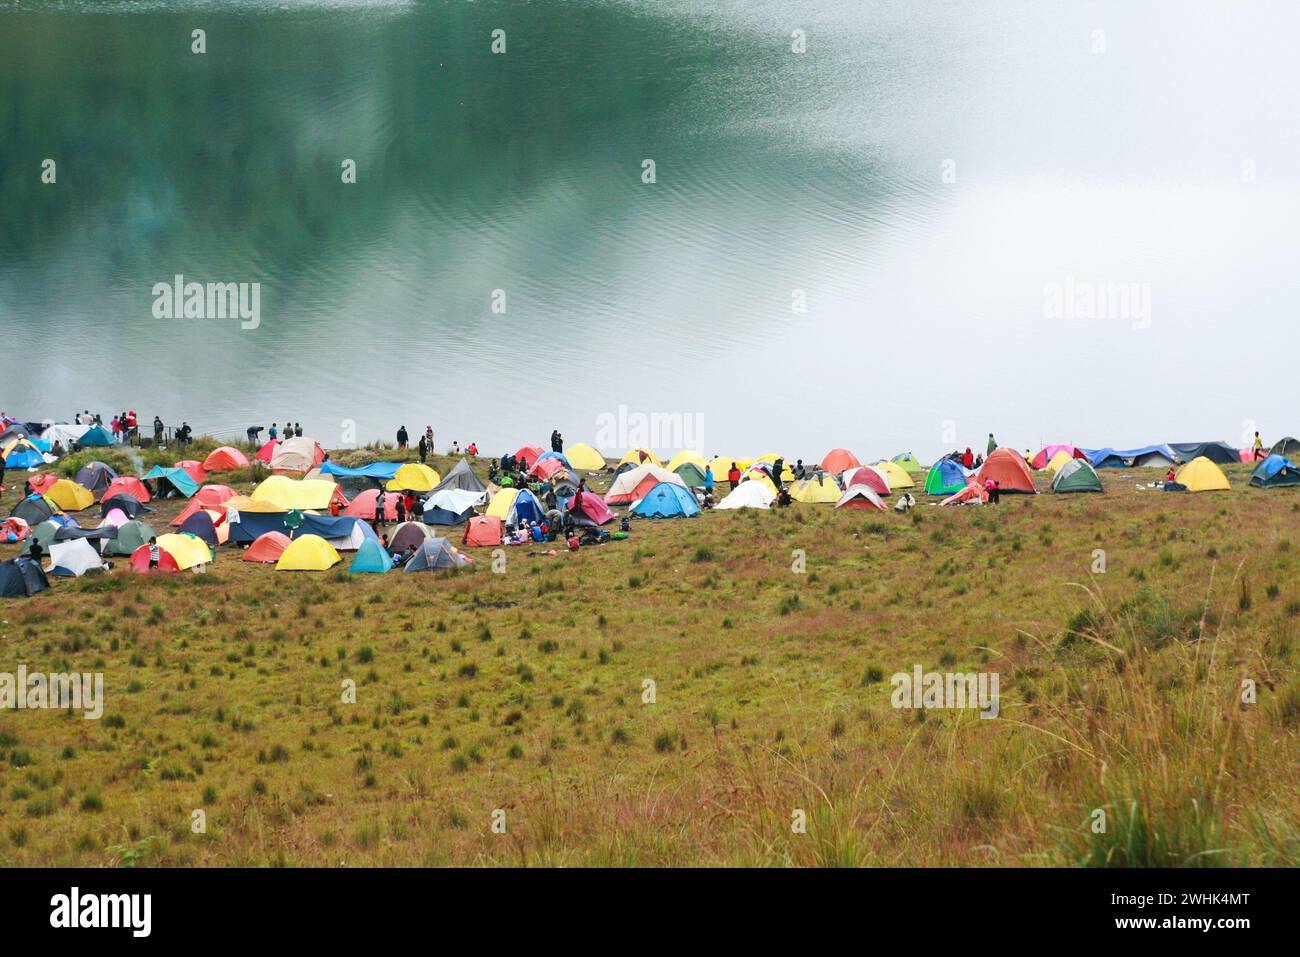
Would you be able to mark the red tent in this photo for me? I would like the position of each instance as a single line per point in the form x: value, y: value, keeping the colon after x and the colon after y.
x: 127, y: 485
x: 546, y: 468
x: 483, y: 531
x: 363, y: 506
x: 1007, y: 467
x: 193, y: 469
x: 839, y: 460
x: 865, y: 475
x: 265, y: 452
x: 210, y: 496
x: 41, y: 483
x: 140, y: 561
x: 225, y: 459
x: 15, y: 527
x: 529, y: 453
x: 266, y: 548
x: 972, y: 492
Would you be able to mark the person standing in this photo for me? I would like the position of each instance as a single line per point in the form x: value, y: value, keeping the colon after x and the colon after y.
x: 297, y: 429
x: 157, y: 430
x: 733, y: 476
x: 423, y: 448
x: 1259, y: 448
x: 401, y: 437
x: 428, y: 437
x: 708, y: 480
x: 993, y: 445
x: 379, y: 510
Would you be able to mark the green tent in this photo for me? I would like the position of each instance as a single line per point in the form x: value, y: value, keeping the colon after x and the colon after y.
x: 945, y: 478
x: 691, y: 474
x: 909, y: 463
x: 1275, y: 472
x: 130, y: 536
x: 1076, y: 475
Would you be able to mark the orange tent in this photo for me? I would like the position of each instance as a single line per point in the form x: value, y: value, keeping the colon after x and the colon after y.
x: 127, y: 485
x: 193, y: 469
x: 266, y: 548
x: 41, y: 483
x: 225, y: 459
x: 139, y: 561
x: 208, y: 497
x: 363, y: 506
x: 974, y: 492
x: 1008, y: 468
x: 265, y: 452
x: 530, y: 454
x: 839, y: 460
x: 484, y: 531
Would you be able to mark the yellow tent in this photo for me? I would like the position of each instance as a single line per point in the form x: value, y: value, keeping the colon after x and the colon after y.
x: 287, y: 493
x: 584, y: 457
x: 70, y: 496
x: 812, y: 491
x: 414, y: 477
x: 897, y: 476
x: 501, y: 503
x: 687, y: 455
x: 758, y: 475
x: 242, y: 503
x: 188, y: 550
x: 1202, y: 475
x: 634, y: 456
x: 722, y: 465
x: 1059, y: 459
x: 307, y: 553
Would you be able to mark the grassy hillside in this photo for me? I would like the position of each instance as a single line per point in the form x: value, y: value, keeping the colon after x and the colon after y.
x: 523, y: 692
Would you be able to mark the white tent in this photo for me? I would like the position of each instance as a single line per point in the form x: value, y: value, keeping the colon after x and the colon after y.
x: 753, y: 494
x: 454, y: 499
x: 75, y: 557
x: 295, y: 455
x: 860, y: 496
x: 624, y: 487
x: 64, y: 434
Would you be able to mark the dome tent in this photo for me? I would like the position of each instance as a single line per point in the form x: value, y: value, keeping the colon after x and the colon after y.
x: 1008, y: 468
x: 371, y: 558
x: 1076, y: 475
x: 667, y: 500
x: 945, y: 477
x: 753, y: 494
x: 1275, y: 472
x: 309, y: 553
x: 1202, y: 475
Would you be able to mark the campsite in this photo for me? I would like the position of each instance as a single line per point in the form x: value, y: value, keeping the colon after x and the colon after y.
x: 703, y: 677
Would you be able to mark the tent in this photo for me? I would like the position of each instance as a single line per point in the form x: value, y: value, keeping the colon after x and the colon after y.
x: 897, y: 476
x: 1216, y: 452
x: 687, y: 456
x: 1275, y: 472
x: 35, y: 509
x: 298, y: 455
x: 128, y: 505
x: 210, y: 496
x: 286, y: 493
x: 691, y: 474
x: 909, y: 463
x: 21, y: 578
x: 115, y: 517
x: 839, y: 460
x: 267, y: 548
x: 193, y: 469
x: 371, y: 559
x: 866, y: 475
x: 636, y: 483
x: 225, y: 459
x: 307, y: 553
x: 820, y: 490
x: 1106, y: 458
x: 267, y: 451
x: 1286, y: 446
x: 128, y: 485
x: 584, y: 458
x: 179, y: 479
x: 749, y: 495
x: 972, y: 494
x: 62, y: 433
x: 408, y: 534
x: 363, y: 506
x: 201, y: 525
x: 589, y: 509
x: 462, y: 477
x: 1150, y: 457
x: 483, y: 531
x: 95, y: 476
x: 1048, y: 452
x: 634, y: 456
x: 189, y: 551
x: 1007, y: 467
x: 1202, y: 475
x: 72, y: 559
x: 450, y: 506
x: 502, y: 502
x: 414, y: 477
x: 860, y: 496
x: 95, y: 437
x: 945, y: 477
x: 42, y: 482
x: 669, y: 500
x: 381, y: 471
x: 525, y: 508
x: 22, y: 454
x: 434, y: 554
x: 130, y: 536
x: 70, y: 496
x: 1076, y: 475
x: 722, y: 465
x: 546, y: 467
x: 1060, y: 458
x: 13, y: 530
x: 143, y: 558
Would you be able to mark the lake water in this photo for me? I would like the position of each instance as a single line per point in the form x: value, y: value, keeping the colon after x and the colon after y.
x: 1059, y: 221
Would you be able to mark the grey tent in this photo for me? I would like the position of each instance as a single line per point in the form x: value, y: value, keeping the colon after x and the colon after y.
x: 434, y: 554
x: 129, y: 537
x: 1220, y: 453
x: 462, y: 477
x: 127, y: 504
x: 34, y: 509
x: 95, y: 476
x: 22, y: 578
x: 1286, y: 446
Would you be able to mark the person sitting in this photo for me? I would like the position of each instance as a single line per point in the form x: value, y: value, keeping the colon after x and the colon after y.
x: 536, y: 532
x: 572, y: 540
x: 783, y: 497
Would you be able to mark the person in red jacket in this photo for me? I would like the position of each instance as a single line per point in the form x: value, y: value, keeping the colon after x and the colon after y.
x: 733, y: 476
x: 967, y: 459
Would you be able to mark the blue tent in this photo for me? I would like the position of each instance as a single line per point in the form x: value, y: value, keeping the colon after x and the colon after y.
x: 180, y: 479
x: 1275, y: 471
x: 375, y: 470
x: 667, y: 500
x: 1219, y: 452
x: 24, y: 457
x: 329, y: 526
x: 527, y: 508
x: 371, y: 558
x: 252, y: 525
x: 96, y: 436
x: 553, y: 455
x: 946, y: 477
x: 1106, y: 458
